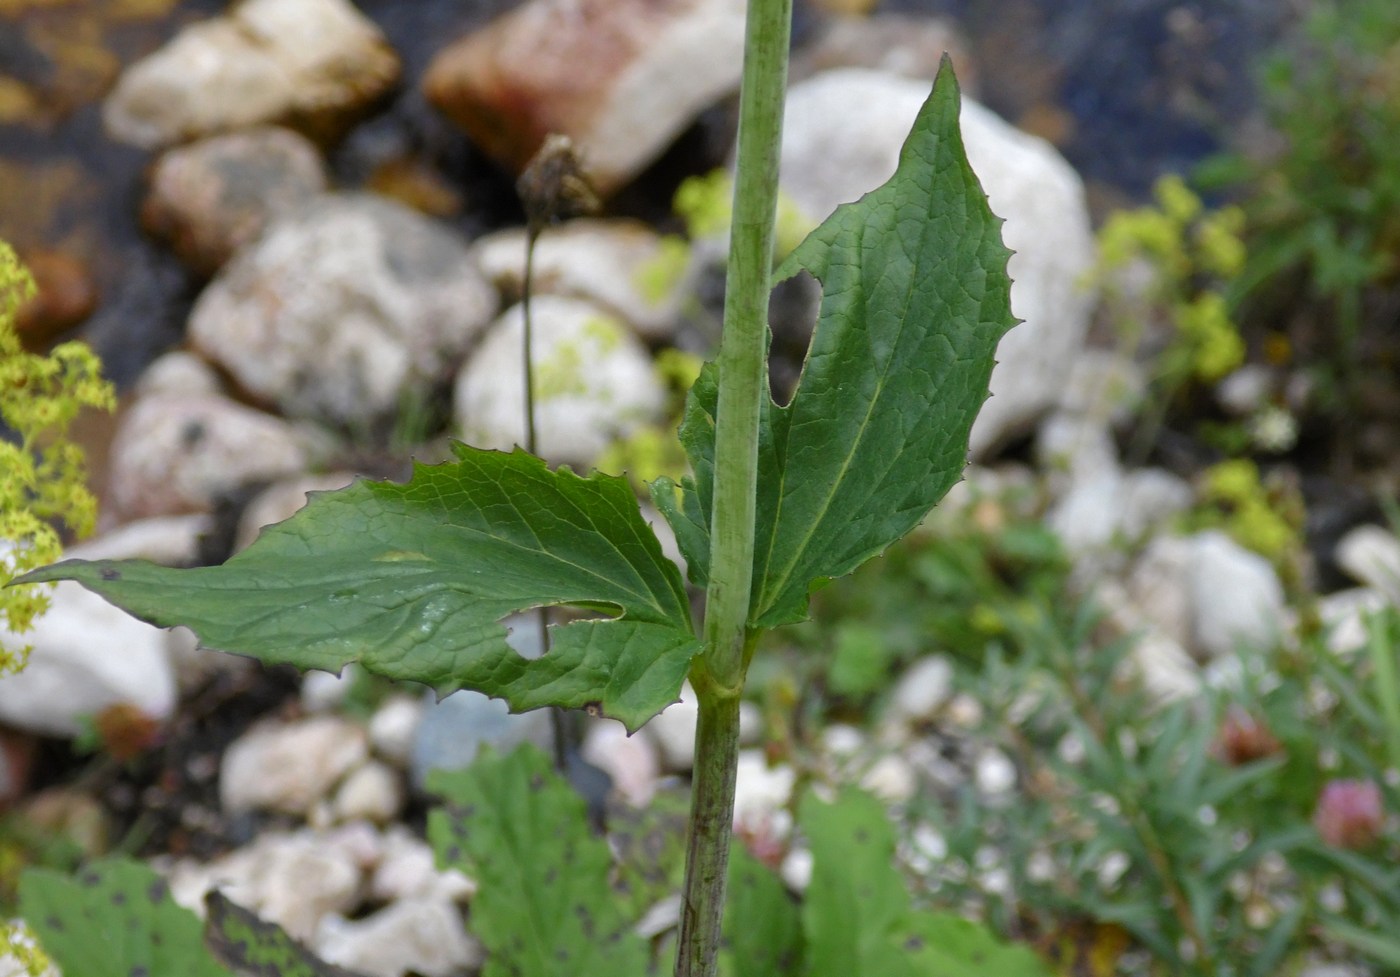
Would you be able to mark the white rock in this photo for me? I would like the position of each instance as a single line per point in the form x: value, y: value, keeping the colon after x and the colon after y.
x: 175, y: 453
x: 425, y: 936
x: 325, y: 691
x: 342, y: 308
x: 1372, y: 556
x: 282, y: 500
x: 179, y: 373
x: 288, y: 767
x: 171, y: 541
x: 631, y: 761
x: 392, y: 728
x: 1105, y: 385
x: 796, y: 870
x: 621, y: 78
x: 211, y: 197
x: 373, y: 792
x: 761, y: 791
x: 601, y: 261
x: 1084, y: 516
x: 408, y: 870
x: 87, y: 656
x: 1152, y: 498
x: 1247, y: 389
x: 267, y: 60
x: 1078, y: 444
x: 594, y: 383
x: 1237, y: 597
x: 293, y: 880
x: 841, y: 741
x: 750, y: 722
x: 922, y: 689
x: 1344, y: 614
x: 674, y: 731
x: 994, y: 773
x: 841, y: 138
x: 1164, y: 667
x: 892, y: 779
x: 1158, y: 588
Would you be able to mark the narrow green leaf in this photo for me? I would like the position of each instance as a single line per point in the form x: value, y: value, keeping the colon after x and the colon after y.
x: 915, y: 299
x: 411, y: 581
x: 114, y: 919
x: 545, y: 906
x: 254, y: 946
x: 762, y: 922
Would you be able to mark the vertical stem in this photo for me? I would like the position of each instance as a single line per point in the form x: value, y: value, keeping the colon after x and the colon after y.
x: 718, y: 673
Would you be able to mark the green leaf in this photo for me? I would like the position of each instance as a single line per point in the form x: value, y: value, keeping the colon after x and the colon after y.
x: 915, y: 298
x: 649, y: 843
x: 762, y: 923
x: 114, y: 919
x: 411, y: 581
x: 856, y: 911
x: 857, y: 915
x: 544, y: 906
x: 254, y: 946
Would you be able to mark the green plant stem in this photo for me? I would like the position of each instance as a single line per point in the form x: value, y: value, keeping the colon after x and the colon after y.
x: 718, y: 673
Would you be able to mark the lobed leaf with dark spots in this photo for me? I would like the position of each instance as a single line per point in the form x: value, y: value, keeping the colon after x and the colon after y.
x: 115, y: 918
x: 254, y: 947
x: 545, y: 906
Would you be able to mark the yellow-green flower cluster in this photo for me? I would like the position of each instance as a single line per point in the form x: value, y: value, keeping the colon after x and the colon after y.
x: 25, y: 956
x: 1243, y: 506
x: 42, y: 476
x: 1193, y: 255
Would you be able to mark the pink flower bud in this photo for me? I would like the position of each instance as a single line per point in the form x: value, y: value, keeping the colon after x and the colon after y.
x: 1349, y: 813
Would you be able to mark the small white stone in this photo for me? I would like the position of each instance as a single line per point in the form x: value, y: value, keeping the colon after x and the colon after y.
x: 842, y: 741
x: 750, y: 724
x: 796, y: 870
x: 1372, y: 556
x: 281, y: 501
x: 964, y: 711
x: 290, y: 879
x: 425, y: 936
x: 994, y: 772
x: 88, y: 655
x: 324, y: 691
x: 408, y: 869
x: 761, y: 791
x: 1344, y: 614
x: 373, y: 792
x: 288, y: 767
x: 891, y: 779
x: 595, y: 382
x: 924, y: 686
x: 392, y: 728
x: 674, y: 732
x: 929, y: 842
x: 179, y: 373
x: 631, y: 761
x: 1236, y: 595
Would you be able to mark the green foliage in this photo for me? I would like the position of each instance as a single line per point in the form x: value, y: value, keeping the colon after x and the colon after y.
x: 857, y: 916
x: 1323, y: 205
x: 115, y: 919
x: 706, y: 205
x: 42, y: 477
x: 1264, y: 517
x: 1191, y: 257
x: 411, y: 581
x: 544, y: 906
x: 957, y: 586
x: 1189, y: 824
x: 762, y: 922
x: 915, y: 299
